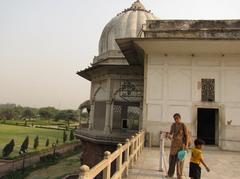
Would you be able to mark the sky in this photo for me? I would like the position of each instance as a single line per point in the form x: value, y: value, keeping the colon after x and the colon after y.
x: 43, y: 43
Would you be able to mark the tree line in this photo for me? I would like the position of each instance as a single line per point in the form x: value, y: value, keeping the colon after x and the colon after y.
x: 17, y: 112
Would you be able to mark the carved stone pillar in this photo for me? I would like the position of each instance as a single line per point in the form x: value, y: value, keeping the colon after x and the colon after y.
x: 111, y: 116
x: 91, y: 120
x: 107, y: 117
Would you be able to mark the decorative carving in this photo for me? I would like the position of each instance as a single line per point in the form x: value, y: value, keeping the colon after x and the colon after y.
x: 131, y: 88
x: 133, y: 117
x: 208, y: 90
x: 117, y: 109
x: 126, y: 115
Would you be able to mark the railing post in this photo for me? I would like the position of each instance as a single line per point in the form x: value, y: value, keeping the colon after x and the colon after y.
x: 136, y: 148
x: 161, y: 151
x: 143, y: 139
x: 139, y: 143
x: 126, y: 158
x: 131, y: 151
x: 107, y: 170
x: 84, y: 172
x: 119, y: 160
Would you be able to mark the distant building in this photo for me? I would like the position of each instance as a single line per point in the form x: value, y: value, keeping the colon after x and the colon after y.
x: 158, y: 68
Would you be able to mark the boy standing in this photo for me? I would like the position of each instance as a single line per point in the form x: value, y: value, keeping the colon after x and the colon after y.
x: 196, y: 159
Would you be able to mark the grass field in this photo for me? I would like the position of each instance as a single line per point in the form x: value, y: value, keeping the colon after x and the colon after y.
x: 66, y: 166
x: 18, y: 133
x: 53, y: 169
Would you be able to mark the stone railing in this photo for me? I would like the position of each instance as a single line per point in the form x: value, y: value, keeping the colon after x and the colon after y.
x: 124, y: 156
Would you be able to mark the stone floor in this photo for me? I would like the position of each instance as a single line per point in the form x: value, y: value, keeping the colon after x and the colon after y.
x: 223, y: 165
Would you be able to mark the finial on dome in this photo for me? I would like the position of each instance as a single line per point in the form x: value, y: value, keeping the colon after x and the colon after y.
x: 137, y: 5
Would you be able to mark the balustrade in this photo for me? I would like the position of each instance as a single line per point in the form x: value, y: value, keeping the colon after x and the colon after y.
x: 125, y: 156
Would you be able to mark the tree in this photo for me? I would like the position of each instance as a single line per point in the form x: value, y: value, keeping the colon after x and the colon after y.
x: 60, y: 115
x: 47, y: 113
x: 71, y: 116
x: 7, y: 113
x: 64, y: 136
x: 36, y: 142
x: 71, y: 136
x: 7, y: 150
x: 47, y: 142
x: 24, y: 145
x: 27, y: 114
x: 67, y: 127
x: 67, y: 115
x: 18, y: 111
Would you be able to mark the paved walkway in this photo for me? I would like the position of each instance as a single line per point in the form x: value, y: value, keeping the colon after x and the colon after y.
x: 223, y: 165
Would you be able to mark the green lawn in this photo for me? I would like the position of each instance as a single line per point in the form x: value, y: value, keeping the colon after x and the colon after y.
x: 18, y: 133
x: 41, y: 122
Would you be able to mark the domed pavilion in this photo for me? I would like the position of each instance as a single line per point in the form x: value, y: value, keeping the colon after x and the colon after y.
x: 116, y: 100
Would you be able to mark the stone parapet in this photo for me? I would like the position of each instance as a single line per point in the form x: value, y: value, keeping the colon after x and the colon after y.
x: 97, y: 136
x: 193, y: 29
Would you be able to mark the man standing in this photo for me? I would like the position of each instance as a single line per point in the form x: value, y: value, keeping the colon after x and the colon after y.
x: 179, y: 141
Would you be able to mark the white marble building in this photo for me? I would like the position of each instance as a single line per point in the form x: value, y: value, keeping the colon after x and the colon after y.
x: 161, y: 67
x: 193, y: 68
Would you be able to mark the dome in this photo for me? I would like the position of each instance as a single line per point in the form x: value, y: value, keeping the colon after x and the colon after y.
x: 126, y: 24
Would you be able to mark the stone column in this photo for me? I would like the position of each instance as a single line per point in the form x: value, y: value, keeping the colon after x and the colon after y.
x: 91, y: 120
x: 80, y: 118
x: 111, y: 116
x: 107, y: 117
x: 88, y: 115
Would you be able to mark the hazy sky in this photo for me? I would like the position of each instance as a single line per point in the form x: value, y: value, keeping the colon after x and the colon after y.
x: 43, y: 43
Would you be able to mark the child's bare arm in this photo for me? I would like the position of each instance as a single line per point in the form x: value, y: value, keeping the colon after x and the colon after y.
x: 169, y: 135
x: 201, y: 160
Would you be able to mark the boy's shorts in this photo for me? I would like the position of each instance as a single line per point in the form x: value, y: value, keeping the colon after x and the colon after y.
x: 194, y: 171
